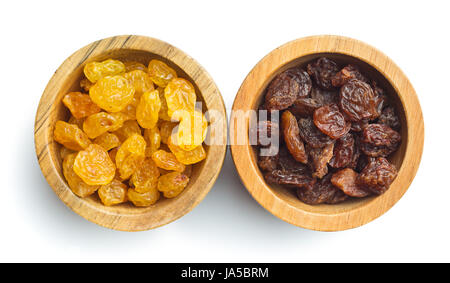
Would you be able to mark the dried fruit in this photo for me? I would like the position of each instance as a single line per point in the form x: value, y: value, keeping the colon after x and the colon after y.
x: 102, y: 122
x: 112, y: 93
x: 187, y: 157
x: 191, y: 131
x: 331, y: 122
x: 148, y: 109
x: 322, y: 191
x: 357, y: 101
x: 95, y: 71
x: 166, y: 129
x: 172, y: 184
x: 80, y: 105
x: 167, y: 161
x: 320, y: 158
x: 380, y: 135
x: 86, y: 84
x: 141, y: 82
x: 347, y: 73
x: 285, y: 88
x: 107, y: 141
x: 113, y: 193
x: 377, y: 176
x: 94, y: 166
x: 70, y: 136
x: 130, y: 110
x: 153, y: 139
x: 163, y: 111
x: 325, y: 97
x: 311, y: 135
x: 289, y: 178
x: 323, y: 71
x: 143, y: 199
x: 145, y: 178
x: 129, y: 155
x: 304, y: 107
x: 160, y: 73
x: 343, y: 152
x: 180, y: 96
x: 389, y: 118
x: 128, y: 129
x: 75, y: 121
x: 76, y: 184
x: 134, y: 65
x: 292, y: 138
x: 345, y: 180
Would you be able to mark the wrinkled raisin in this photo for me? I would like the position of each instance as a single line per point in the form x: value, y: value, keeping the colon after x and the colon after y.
x: 323, y: 71
x: 320, y: 158
x: 347, y: 73
x: 357, y: 101
x: 331, y: 122
x: 377, y: 176
x: 311, y: 135
x: 345, y: 180
x: 343, y: 151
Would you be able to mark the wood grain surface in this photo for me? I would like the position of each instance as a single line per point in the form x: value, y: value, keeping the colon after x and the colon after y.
x: 283, y: 202
x: 126, y: 217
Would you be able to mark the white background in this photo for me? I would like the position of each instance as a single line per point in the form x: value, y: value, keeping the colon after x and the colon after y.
x: 228, y: 38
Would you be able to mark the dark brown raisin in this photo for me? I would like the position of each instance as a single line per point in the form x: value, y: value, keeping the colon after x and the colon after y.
x: 331, y: 122
x: 377, y: 176
x: 358, y: 101
x: 380, y: 135
x: 285, y: 88
x: 346, y: 74
x: 293, y: 179
x: 311, y: 135
x: 304, y: 107
x: 343, y: 152
x: 325, y: 97
x: 322, y: 191
x: 323, y: 70
x: 388, y: 117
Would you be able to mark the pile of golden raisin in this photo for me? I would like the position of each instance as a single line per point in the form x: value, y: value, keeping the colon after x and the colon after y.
x: 134, y: 136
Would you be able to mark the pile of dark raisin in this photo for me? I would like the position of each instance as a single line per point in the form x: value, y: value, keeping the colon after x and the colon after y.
x: 336, y: 129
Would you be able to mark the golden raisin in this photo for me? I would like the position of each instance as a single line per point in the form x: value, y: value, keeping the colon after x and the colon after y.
x: 70, y: 136
x: 187, y: 157
x: 75, y: 183
x: 133, y: 65
x: 64, y: 151
x: 148, y: 109
x: 113, y: 193
x: 163, y: 111
x: 107, y: 141
x: 153, y: 139
x: 80, y: 105
x: 172, y: 184
x: 127, y: 130
x: 191, y: 131
x: 75, y: 121
x: 167, y: 161
x: 141, y: 82
x: 166, y: 130
x: 94, y: 166
x: 180, y: 95
x: 160, y: 73
x: 129, y: 155
x: 112, y: 93
x: 95, y: 71
x: 86, y: 84
x: 143, y: 199
x: 146, y: 176
x: 130, y: 110
x: 102, y: 122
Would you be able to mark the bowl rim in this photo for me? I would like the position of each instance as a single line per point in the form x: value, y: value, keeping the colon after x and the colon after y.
x: 252, y: 87
x: 43, y: 138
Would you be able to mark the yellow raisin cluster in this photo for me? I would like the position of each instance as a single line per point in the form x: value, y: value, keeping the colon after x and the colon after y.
x: 134, y: 133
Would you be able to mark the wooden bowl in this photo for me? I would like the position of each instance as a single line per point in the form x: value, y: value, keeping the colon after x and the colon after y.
x: 282, y: 202
x: 126, y: 217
